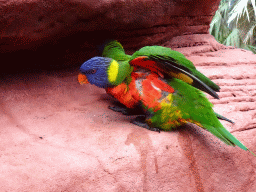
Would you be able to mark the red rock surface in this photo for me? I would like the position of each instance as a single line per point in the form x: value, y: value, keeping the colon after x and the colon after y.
x: 66, y: 32
x: 37, y: 19
x: 59, y: 136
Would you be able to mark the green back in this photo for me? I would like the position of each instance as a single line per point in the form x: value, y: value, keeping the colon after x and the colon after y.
x: 193, y: 103
x: 195, y: 106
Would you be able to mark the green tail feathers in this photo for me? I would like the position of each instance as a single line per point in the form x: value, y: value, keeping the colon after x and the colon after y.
x: 225, y: 136
x: 229, y: 139
x: 193, y: 102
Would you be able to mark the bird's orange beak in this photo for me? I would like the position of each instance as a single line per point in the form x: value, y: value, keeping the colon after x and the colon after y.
x: 82, y: 79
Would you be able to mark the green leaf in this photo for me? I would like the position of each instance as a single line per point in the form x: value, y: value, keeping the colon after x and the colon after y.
x: 251, y: 48
x: 238, y: 11
x: 234, y: 23
x: 233, y: 39
x: 249, y: 35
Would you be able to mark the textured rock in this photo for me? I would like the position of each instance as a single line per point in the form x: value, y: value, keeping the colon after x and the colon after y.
x: 55, y: 34
x: 36, y: 19
x: 59, y: 136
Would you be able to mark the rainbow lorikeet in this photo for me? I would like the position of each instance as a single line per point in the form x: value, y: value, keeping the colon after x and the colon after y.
x: 166, y: 99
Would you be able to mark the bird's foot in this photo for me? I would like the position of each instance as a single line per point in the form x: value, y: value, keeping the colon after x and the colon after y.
x: 126, y: 111
x: 118, y: 109
x: 140, y: 121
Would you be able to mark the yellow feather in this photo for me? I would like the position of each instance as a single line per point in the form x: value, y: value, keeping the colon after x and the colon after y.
x: 182, y: 77
x: 113, y: 71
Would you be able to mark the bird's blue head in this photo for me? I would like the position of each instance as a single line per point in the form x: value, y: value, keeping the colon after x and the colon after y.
x: 104, y: 72
x: 94, y: 71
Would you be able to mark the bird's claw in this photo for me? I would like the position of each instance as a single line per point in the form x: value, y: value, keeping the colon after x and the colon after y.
x: 126, y: 111
x: 119, y: 109
x: 140, y: 121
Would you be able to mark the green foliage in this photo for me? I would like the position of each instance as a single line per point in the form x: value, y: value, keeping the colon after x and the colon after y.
x: 234, y: 24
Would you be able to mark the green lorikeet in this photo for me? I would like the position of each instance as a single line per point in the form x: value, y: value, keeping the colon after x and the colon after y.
x: 167, y: 102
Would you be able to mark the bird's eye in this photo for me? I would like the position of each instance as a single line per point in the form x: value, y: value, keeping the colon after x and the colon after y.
x: 90, y: 71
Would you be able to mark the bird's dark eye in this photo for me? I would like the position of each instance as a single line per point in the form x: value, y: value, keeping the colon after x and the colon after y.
x: 91, y: 71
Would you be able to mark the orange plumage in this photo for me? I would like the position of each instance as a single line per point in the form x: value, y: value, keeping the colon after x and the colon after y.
x: 151, y: 93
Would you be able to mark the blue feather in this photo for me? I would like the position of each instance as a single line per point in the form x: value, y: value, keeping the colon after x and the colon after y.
x: 100, y: 66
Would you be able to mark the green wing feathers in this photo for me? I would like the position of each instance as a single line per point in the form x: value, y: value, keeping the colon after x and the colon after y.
x: 164, y: 56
